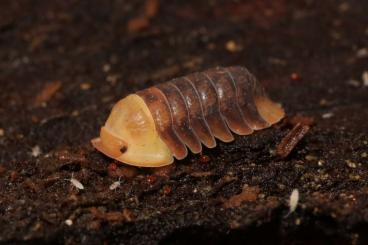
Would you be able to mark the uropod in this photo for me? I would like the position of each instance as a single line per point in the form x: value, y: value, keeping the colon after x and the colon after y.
x: 152, y: 126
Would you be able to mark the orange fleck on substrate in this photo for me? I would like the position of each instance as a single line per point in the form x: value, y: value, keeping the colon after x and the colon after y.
x: 295, y: 76
x: 248, y: 194
x: 204, y: 159
x: 289, y: 142
x: 305, y: 120
x: 112, y: 167
x: 166, y: 190
x: 47, y: 93
x: 151, y: 179
x: 151, y: 8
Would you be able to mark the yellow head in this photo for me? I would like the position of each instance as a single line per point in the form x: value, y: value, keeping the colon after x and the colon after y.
x: 130, y: 135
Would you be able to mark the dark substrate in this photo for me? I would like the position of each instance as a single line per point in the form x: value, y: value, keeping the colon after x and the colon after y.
x: 63, y: 64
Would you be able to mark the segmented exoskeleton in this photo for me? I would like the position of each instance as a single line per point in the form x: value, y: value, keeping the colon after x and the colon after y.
x: 195, y: 109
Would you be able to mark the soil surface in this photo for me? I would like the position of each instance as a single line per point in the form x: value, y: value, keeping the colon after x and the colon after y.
x: 63, y: 64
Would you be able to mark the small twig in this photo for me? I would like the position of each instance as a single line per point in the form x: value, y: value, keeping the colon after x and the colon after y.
x: 289, y: 142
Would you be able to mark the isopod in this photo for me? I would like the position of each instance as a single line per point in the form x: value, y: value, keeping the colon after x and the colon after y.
x: 152, y: 126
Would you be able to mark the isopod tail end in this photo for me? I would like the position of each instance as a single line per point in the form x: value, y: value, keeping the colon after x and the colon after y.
x: 270, y: 111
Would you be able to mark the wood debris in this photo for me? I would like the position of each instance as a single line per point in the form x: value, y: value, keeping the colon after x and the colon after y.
x: 137, y: 24
x: 2, y: 170
x: 202, y: 174
x: 151, y: 8
x: 248, y: 194
x: 304, y: 120
x: 48, y: 91
x: 113, y: 216
x: 69, y: 222
x: 164, y: 171
x: 141, y: 22
x: 289, y: 142
x: 128, y: 172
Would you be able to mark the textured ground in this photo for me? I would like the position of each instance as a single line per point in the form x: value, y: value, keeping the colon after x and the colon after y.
x: 63, y: 64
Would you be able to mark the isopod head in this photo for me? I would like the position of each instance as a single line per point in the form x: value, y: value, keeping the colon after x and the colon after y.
x: 129, y: 135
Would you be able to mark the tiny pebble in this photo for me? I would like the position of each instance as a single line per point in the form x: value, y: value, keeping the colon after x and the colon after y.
x: 354, y: 177
x: 232, y: 46
x: 36, y: 151
x: 75, y: 113
x: 323, y: 102
x: 365, y: 78
x: 327, y: 115
x: 310, y: 157
x: 106, y: 68
x: 272, y: 152
x: 350, y: 164
x: 364, y: 154
x: 281, y: 186
x: 353, y: 83
x: 362, y: 53
x: 85, y: 86
x: 69, y: 222
x: 321, y: 162
x: 344, y: 7
x: 298, y: 221
x: 2, y: 132
x: 211, y: 46
x: 112, y: 79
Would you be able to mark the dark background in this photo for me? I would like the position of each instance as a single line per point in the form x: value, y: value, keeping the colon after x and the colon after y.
x: 63, y: 64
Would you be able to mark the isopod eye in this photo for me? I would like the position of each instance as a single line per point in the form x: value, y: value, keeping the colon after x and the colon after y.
x: 123, y: 149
